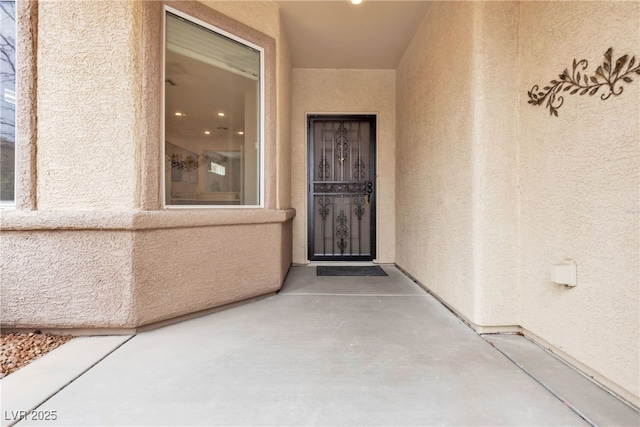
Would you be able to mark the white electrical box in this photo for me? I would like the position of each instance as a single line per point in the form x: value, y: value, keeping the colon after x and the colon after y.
x: 564, y: 273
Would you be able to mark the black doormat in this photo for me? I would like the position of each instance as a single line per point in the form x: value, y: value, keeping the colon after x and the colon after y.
x: 350, y: 270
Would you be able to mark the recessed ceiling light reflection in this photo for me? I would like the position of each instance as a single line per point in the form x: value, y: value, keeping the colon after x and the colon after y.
x: 240, y: 133
x: 179, y: 114
x: 221, y: 114
x: 207, y: 132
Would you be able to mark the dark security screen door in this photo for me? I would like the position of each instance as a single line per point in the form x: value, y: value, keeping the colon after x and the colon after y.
x: 342, y: 223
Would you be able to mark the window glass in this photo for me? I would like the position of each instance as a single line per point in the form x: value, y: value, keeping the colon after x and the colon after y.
x: 212, y: 118
x: 7, y: 102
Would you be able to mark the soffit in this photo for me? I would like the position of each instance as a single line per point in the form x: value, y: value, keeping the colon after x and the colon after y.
x: 337, y: 34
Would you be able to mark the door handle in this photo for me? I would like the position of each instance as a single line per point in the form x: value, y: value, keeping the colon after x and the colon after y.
x: 368, y: 190
x: 368, y: 187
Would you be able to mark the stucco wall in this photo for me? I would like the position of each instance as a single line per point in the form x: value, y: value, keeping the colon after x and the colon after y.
x: 345, y: 91
x: 284, y: 122
x: 127, y: 269
x: 99, y: 252
x: 495, y: 150
x: 434, y: 155
x: 494, y: 190
x: 264, y: 16
x: 579, y: 177
x: 62, y: 278
x: 188, y: 269
x: 89, y: 89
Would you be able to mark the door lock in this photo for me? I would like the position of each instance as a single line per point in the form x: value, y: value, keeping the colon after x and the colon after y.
x: 368, y: 189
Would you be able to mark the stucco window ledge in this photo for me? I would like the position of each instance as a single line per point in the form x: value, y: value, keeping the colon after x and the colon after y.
x: 138, y: 220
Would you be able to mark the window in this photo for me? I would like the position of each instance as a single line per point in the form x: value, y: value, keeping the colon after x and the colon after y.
x: 212, y: 115
x: 7, y: 102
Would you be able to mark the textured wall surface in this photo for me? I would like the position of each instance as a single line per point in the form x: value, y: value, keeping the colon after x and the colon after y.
x: 180, y: 271
x: 434, y: 156
x: 89, y: 258
x: 89, y: 88
x: 493, y: 191
x: 63, y: 278
x: 264, y: 16
x: 495, y: 151
x: 345, y: 91
x: 284, y: 122
x: 579, y: 177
x: 127, y: 269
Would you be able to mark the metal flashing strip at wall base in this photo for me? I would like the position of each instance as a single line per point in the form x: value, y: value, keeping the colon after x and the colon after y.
x: 596, y: 405
x: 516, y: 330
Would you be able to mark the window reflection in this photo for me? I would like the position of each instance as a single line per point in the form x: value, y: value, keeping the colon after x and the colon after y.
x: 212, y: 99
x: 7, y: 101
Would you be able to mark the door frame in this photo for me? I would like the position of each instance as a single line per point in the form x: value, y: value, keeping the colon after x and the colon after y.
x: 373, y: 120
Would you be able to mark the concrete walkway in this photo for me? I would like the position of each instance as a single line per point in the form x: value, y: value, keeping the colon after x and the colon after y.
x: 362, y: 351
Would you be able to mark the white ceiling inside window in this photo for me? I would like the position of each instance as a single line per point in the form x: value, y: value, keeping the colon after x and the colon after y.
x: 196, y: 42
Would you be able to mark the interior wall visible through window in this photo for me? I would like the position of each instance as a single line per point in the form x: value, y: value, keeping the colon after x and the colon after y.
x: 7, y: 103
x: 212, y: 131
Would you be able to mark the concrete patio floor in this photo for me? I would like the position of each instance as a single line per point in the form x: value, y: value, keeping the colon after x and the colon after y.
x: 337, y: 351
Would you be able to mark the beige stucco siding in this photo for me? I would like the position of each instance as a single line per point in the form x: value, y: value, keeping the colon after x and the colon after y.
x: 345, y: 92
x: 95, y: 249
x: 579, y: 179
x: 495, y: 190
x: 434, y: 155
x: 89, y: 90
x: 186, y: 270
x: 58, y: 278
x: 495, y: 157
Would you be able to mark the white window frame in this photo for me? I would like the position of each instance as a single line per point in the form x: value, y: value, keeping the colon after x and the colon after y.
x: 261, y: 115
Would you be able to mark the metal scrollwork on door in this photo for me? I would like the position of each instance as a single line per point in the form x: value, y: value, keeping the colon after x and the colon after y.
x: 359, y: 169
x: 324, y: 207
x: 341, y: 204
x: 334, y: 187
x: 359, y: 210
x: 342, y: 231
x: 342, y: 143
x: 323, y: 167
